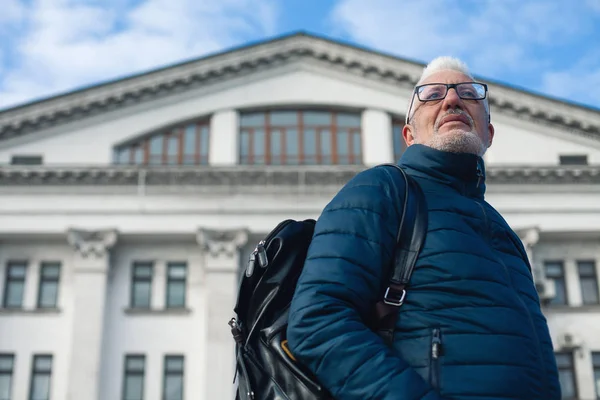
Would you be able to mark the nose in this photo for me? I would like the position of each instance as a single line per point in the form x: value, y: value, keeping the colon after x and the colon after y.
x: 452, y: 101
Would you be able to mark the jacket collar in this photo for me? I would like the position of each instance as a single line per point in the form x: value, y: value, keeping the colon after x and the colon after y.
x: 463, y: 171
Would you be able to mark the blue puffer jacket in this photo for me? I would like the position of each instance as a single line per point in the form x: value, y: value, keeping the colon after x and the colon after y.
x: 471, y: 290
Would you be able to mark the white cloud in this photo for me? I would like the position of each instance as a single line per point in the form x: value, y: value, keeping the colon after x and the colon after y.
x: 71, y: 43
x: 12, y: 11
x: 580, y: 82
x: 594, y: 5
x: 505, y: 38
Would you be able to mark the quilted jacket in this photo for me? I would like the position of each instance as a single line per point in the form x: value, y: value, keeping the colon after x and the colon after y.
x: 471, y: 326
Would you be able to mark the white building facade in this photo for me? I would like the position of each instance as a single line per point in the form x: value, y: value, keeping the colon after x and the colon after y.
x: 128, y: 209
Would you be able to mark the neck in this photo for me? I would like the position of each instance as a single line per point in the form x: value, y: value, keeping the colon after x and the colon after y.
x: 464, y: 172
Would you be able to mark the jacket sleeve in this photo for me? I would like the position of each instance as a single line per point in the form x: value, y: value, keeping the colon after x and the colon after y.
x: 341, y: 281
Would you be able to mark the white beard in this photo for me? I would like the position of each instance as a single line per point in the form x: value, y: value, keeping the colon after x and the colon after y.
x: 456, y: 141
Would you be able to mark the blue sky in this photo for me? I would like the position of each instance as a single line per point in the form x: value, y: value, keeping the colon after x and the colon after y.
x: 49, y: 47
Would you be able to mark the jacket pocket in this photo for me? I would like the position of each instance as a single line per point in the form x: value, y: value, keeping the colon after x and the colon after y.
x: 434, y: 360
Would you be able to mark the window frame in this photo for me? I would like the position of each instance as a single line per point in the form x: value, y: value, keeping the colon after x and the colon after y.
x: 167, y: 372
x: 200, y: 155
x: 36, y: 372
x: 136, y: 279
x: 173, y: 264
x: 595, y: 355
x: 354, y: 156
x: 8, y: 281
x: 9, y: 372
x: 593, y: 277
x: 572, y: 369
x: 563, y: 278
x: 44, y: 280
x: 133, y: 372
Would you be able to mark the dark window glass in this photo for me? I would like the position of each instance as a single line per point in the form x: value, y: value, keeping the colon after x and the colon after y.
x: 48, y: 288
x: 566, y: 375
x: 173, y: 148
x: 176, y: 285
x: 7, y: 362
x: 580, y: 159
x: 283, y: 118
x: 41, y: 378
x: 300, y: 137
x: 258, y: 146
x: 133, y: 380
x: 26, y: 160
x: 14, y: 284
x: 588, y: 281
x: 292, y: 149
x: 596, y: 366
x: 156, y: 149
x: 555, y: 271
x: 141, y: 285
x: 173, y: 378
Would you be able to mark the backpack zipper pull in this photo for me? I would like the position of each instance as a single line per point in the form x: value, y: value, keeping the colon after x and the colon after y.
x: 261, y: 252
x: 251, y: 263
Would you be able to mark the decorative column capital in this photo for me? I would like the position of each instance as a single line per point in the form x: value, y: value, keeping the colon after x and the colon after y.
x: 94, y: 243
x: 530, y: 236
x: 219, y: 243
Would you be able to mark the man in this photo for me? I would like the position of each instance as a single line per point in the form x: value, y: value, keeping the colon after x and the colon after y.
x: 471, y: 325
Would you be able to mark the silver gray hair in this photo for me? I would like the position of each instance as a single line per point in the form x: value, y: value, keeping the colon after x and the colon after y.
x: 444, y: 63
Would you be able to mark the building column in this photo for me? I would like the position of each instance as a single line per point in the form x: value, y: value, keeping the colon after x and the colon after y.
x: 377, y: 140
x: 223, y: 143
x: 90, y: 269
x: 221, y: 260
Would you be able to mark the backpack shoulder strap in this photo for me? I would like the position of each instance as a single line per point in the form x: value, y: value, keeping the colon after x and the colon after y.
x: 411, y: 235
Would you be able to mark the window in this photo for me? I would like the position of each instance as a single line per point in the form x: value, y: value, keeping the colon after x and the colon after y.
x: 399, y: 143
x: 566, y: 375
x: 41, y: 377
x: 176, y: 284
x: 300, y: 137
x: 555, y: 271
x: 588, y: 281
x: 182, y: 145
x: 596, y: 365
x: 141, y: 285
x: 133, y: 380
x: 48, y: 289
x: 580, y: 159
x: 6, y: 372
x: 173, y: 378
x: 14, y: 286
x: 26, y: 160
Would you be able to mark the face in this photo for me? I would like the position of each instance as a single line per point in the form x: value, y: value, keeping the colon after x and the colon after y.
x: 451, y: 124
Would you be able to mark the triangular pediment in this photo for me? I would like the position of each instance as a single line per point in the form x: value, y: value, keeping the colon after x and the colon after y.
x: 344, y: 59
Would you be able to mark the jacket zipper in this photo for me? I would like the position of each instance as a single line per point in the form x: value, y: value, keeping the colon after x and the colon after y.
x: 529, y: 318
x: 436, y: 352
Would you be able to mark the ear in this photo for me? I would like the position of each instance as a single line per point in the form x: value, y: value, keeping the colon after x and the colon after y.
x: 491, y: 131
x: 408, y: 134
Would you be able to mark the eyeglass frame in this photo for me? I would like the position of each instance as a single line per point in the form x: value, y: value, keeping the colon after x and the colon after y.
x: 448, y: 87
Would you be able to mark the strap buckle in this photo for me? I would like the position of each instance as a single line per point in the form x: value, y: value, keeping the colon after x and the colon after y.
x: 393, y: 297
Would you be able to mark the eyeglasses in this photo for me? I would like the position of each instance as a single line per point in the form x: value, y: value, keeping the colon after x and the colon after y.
x: 438, y: 91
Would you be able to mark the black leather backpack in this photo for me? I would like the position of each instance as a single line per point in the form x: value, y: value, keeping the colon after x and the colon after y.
x: 265, y: 367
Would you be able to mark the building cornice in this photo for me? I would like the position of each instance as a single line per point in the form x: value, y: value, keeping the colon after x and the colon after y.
x: 254, y: 178
x: 246, y: 60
